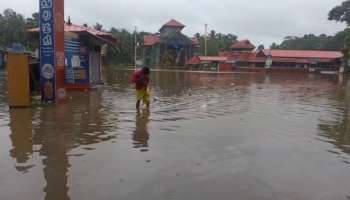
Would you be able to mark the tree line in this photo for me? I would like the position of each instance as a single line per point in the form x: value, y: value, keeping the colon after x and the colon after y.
x: 315, y: 42
x: 215, y: 42
x: 13, y: 29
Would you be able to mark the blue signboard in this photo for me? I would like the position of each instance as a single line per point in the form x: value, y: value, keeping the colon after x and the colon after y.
x: 77, y: 60
x: 47, y: 50
x: 72, y: 51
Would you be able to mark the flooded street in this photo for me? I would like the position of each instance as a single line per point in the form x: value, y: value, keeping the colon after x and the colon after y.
x: 207, y: 136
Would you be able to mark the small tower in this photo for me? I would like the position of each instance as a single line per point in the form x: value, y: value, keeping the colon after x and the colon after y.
x: 171, y: 26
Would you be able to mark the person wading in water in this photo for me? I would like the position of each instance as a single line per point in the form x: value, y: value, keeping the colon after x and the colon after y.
x: 140, y: 79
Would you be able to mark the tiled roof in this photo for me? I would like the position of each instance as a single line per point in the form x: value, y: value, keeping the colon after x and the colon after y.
x: 107, y: 37
x: 174, y: 23
x: 150, y: 40
x: 243, y: 44
x: 303, y: 54
x: 198, y: 59
x: 213, y: 58
x: 194, y: 61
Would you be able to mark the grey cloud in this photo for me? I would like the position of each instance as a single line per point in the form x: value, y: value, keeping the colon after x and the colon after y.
x: 262, y: 21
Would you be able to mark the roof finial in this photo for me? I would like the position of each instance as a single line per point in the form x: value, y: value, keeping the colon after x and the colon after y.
x: 69, y: 22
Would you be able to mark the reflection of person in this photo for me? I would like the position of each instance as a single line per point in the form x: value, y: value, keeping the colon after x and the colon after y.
x: 21, y: 134
x: 141, y: 80
x: 140, y: 135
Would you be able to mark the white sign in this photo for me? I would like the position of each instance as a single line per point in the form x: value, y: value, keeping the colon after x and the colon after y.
x: 46, y: 15
x: 47, y: 28
x: 47, y: 71
x: 46, y: 4
x: 61, y: 93
x: 47, y: 40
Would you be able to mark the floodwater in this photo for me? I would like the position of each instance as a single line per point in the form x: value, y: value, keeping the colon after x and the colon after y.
x: 207, y: 136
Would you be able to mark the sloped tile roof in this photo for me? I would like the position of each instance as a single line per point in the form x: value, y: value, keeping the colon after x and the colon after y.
x: 243, y: 44
x: 107, y: 37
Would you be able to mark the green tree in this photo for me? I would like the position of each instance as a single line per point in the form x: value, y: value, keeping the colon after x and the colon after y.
x: 313, y: 42
x: 341, y: 13
x: 216, y: 42
x: 12, y: 28
x: 32, y: 22
x: 98, y: 26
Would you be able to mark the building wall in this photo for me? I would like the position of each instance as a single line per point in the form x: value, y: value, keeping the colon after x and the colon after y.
x: 167, y: 30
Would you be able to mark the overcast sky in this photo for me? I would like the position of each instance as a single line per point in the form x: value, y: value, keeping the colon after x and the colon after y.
x: 261, y: 21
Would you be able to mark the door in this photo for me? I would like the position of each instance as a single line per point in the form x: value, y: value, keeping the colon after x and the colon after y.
x: 95, y: 67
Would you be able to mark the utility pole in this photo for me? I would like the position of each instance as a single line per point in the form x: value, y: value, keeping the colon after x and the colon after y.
x: 205, y: 39
x: 135, y: 53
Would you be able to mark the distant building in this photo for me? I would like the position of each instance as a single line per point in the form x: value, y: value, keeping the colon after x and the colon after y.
x: 169, y: 47
x: 210, y: 63
x: 244, y: 57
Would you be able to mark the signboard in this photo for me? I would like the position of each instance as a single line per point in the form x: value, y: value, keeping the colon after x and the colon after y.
x: 51, y: 47
x: 72, y: 50
x: 47, y: 50
x: 77, y: 59
x: 268, y: 62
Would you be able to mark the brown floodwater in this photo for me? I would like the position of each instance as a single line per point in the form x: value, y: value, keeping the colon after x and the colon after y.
x: 207, y: 136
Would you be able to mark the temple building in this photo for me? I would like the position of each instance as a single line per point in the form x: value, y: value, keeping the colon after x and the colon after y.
x: 169, y: 47
x: 243, y: 56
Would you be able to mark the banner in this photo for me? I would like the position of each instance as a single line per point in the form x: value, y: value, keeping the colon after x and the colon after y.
x: 52, y: 49
x: 47, y: 50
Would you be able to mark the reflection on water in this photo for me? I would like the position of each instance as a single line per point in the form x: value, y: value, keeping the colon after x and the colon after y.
x: 141, y: 135
x: 248, y: 136
x: 337, y: 130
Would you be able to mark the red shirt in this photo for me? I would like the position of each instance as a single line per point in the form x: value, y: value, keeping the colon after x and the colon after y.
x: 140, y: 80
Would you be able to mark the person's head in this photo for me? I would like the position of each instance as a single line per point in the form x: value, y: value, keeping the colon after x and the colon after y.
x: 146, y: 70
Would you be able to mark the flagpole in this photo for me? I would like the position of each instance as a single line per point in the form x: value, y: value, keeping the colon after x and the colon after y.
x: 205, y: 39
x: 135, y: 53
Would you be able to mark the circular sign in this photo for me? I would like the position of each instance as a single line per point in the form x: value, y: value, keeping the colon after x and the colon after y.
x: 61, y: 93
x: 47, y: 71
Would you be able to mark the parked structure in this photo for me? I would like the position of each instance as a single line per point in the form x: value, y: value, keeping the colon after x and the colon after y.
x: 83, y: 50
x: 169, y: 47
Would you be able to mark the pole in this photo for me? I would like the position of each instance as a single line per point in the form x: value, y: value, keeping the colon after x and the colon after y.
x: 135, y: 53
x: 205, y: 39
